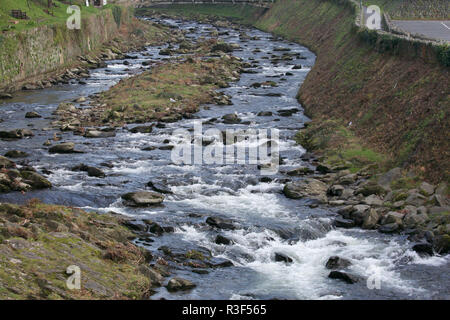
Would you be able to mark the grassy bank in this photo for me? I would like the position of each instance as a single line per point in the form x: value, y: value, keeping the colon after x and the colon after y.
x: 39, y: 242
x: 398, y: 106
x: 39, y: 14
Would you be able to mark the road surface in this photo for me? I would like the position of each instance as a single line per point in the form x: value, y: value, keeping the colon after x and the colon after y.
x: 431, y: 29
x: 439, y: 30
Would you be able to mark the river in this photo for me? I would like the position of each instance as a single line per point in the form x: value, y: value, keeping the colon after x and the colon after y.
x: 267, y: 222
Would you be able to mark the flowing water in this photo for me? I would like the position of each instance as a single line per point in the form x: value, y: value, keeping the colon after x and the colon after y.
x: 267, y: 221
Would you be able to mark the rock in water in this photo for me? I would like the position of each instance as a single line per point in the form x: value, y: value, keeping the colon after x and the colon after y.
x: 159, y: 187
x: 441, y: 244
x: 223, y: 240
x: 142, y: 129
x: 16, y: 154
x: 220, y: 223
x: 35, y: 180
x: 336, y: 262
x: 5, y: 96
x: 222, y: 46
x: 299, y: 171
x: 179, y: 284
x: 231, y: 118
x: 6, y: 163
x: 66, y: 147
x: 99, y: 134
x: 91, y: 171
x: 280, y: 257
x: 32, y: 114
x: 344, y: 223
x: 142, y: 198
x: 307, y: 188
x: 13, y: 134
x: 389, y: 228
x: 350, y: 279
x: 423, y: 248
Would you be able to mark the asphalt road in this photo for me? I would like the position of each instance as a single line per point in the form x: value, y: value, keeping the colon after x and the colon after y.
x: 439, y: 30
x: 431, y: 29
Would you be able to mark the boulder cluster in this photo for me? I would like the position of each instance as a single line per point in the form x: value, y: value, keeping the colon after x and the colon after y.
x: 375, y: 201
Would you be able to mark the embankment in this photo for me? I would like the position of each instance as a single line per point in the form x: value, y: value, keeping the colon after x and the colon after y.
x: 391, y: 93
x: 38, y: 53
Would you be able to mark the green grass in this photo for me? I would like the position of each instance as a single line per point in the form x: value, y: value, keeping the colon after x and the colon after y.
x: 35, y: 11
x: 339, y: 145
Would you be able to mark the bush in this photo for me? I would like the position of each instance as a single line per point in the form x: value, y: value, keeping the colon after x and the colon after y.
x: 117, y: 13
x: 444, y: 54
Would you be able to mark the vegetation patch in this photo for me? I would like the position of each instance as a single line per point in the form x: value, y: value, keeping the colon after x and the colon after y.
x: 338, y: 145
x: 38, y: 242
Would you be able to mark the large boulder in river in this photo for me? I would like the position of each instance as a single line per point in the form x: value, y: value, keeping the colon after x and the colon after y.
x: 306, y: 188
x: 142, y: 198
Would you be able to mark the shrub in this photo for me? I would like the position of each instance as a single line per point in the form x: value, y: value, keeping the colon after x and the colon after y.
x: 117, y: 13
x: 443, y: 52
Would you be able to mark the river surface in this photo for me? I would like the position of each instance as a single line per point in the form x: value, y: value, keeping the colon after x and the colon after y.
x: 267, y: 221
